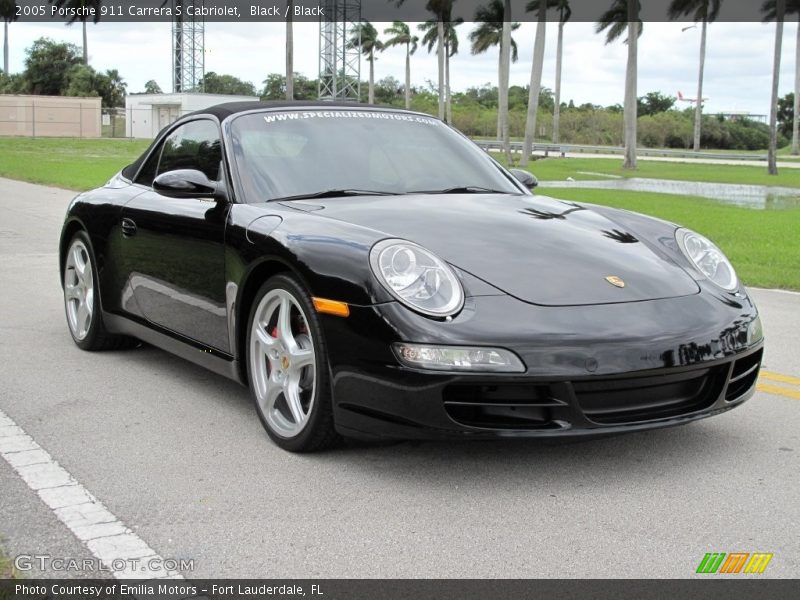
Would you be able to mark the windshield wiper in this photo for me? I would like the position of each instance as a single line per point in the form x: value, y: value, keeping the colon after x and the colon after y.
x: 463, y: 189
x: 335, y: 193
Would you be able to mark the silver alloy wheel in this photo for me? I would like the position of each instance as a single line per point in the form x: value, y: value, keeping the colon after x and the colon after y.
x: 79, y: 289
x: 282, y: 363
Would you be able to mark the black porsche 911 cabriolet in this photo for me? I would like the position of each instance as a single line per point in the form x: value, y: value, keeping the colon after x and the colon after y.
x: 370, y: 272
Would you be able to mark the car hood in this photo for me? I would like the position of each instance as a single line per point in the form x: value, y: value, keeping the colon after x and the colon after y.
x: 537, y: 249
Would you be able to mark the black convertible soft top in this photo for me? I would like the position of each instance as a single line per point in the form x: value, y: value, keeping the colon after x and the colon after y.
x: 223, y: 111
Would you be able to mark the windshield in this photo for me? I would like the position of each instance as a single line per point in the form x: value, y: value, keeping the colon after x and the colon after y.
x: 300, y: 153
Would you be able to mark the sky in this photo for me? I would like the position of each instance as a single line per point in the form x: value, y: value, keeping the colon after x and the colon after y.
x: 738, y: 70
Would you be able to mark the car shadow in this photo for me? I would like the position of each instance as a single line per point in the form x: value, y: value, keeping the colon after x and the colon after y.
x: 598, y: 461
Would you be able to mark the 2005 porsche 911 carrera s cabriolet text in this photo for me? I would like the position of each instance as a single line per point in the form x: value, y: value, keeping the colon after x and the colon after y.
x: 370, y: 272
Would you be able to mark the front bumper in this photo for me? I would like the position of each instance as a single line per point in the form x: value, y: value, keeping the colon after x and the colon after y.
x: 591, y: 370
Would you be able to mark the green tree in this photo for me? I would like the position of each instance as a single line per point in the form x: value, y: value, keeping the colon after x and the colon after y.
x: 786, y: 114
x: 653, y: 103
x: 112, y: 88
x: 770, y: 13
x: 401, y: 36
x: 152, y: 87
x: 81, y: 81
x: 81, y: 15
x: 8, y: 10
x: 213, y: 83
x: 365, y: 37
x: 275, y: 87
x: 704, y: 12
x: 48, y: 64
x: 623, y: 16
x: 488, y: 33
x: 13, y: 84
x: 388, y: 90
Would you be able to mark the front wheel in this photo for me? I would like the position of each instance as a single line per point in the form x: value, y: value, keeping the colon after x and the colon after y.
x: 287, y: 367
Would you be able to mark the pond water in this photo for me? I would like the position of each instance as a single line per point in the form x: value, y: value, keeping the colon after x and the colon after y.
x: 748, y: 196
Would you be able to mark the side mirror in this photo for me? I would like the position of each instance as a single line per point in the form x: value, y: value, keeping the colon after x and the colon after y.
x: 185, y: 183
x: 525, y: 178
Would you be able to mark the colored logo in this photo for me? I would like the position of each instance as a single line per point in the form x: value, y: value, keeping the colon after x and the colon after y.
x: 616, y: 281
x: 735, y: 562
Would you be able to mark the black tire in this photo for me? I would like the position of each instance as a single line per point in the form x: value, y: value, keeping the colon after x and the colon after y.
x: 97, y: 337
x: 319, y: 432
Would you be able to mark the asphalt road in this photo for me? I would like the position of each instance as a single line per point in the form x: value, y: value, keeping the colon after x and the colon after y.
x: 178, y: 454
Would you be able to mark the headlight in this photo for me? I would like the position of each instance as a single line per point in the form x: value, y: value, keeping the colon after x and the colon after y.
x: 417, y: 278
x: 708, y: 259
x: 458, y: 358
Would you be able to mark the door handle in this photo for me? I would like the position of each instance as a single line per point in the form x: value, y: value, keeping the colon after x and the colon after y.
x: 128, y: 227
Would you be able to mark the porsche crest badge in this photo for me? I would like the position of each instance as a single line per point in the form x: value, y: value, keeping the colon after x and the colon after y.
x: 615, y: 281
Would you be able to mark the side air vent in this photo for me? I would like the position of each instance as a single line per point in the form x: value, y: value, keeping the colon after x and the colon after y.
x: 744, y: 375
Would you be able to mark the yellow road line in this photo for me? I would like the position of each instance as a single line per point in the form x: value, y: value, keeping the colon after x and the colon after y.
x: 778, y: 390
x: 778, y: 377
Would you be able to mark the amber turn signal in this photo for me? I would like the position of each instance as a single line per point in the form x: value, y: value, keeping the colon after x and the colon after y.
x: 331, y: 307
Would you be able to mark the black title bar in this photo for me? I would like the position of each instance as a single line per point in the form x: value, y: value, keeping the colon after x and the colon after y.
x: 706, y: 588
x: 233, y: 11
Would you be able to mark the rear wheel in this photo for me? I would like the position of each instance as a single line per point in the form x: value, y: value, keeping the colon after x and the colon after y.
x: 82, y: 299
x: 287, y: 367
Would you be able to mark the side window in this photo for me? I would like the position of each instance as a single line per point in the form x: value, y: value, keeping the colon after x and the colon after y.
x: 148, y: 171
x: 195, y: 145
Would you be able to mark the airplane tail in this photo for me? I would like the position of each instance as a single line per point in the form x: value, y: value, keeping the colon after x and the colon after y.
x: 680, y: 95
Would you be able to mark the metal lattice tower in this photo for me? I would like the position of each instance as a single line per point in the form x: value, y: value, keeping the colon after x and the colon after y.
x: 339, y: 66
x: 188, y: 47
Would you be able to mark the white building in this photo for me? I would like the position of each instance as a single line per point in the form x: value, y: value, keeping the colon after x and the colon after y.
x: 147, y: 114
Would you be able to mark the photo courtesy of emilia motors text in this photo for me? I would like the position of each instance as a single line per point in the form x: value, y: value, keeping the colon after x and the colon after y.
x: 399, y: 299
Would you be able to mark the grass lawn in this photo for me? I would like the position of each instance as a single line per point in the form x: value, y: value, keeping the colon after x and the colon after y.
x: 7, y: 570
x: 81, y: 164
x: 76, y: 164
x: 558, y: 169
x: 763, y: 245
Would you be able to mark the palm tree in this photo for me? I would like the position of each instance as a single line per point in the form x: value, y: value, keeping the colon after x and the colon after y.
x: 431, y: 39
x: 401, y: 36
x: 8, y: 10
x: 365, y: 37
x: 704, y: 11
x: 564, y: 14
x: 289, y: 50
x: 79, y: 15
x: 770, y: 13
x: 621, y: 17
x: 117, y: 88
x: 489, y: 33
x: 505, y: 70
x: 540, y: 6
x: 441, y: 10
x: 450, y: 50
x: 778, y: 14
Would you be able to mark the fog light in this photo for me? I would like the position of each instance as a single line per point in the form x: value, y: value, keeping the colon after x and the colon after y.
x: 755, y: 332
x: 458, y: 358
